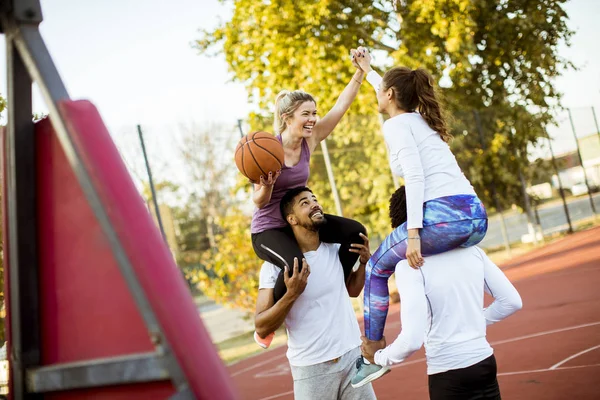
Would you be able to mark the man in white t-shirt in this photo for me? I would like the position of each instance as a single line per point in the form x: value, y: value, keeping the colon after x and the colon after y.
x: 442, y: 307
x: 323, y: 334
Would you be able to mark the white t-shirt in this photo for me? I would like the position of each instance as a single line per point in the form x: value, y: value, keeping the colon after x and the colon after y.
x: 321, y: 324
x: 419, y: 155
x: 442, y: 305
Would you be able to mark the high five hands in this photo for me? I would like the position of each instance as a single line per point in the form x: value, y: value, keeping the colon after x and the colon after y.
x: 361, y: 59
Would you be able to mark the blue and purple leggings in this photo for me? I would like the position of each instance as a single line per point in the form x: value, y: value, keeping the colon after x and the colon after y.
x: 448, y: 223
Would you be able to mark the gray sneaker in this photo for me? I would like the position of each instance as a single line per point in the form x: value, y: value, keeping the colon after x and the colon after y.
x: 367, y: 373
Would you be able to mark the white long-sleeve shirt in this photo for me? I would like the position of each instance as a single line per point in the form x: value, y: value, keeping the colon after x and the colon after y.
x: 419, y: 155
x: 442, y: 306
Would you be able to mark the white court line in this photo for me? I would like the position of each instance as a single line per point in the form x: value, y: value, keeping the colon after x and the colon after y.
x: 573, y: 356
x: 570, y: 328
x: 499, y: 374
x: 241, y: 371
x: 546, y: 370
x: 402, y: 364
x: 277, y: 395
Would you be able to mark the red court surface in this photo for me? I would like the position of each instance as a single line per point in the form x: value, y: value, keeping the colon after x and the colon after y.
x: 548, y: 350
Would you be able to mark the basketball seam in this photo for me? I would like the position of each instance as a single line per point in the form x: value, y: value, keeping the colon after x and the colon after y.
x: 242, y: 149
x: 256, y: 162
x: 268, y: 137
x: 273, y: 155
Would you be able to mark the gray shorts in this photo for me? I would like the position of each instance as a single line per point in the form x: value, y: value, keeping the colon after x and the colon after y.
x: 330, y: 380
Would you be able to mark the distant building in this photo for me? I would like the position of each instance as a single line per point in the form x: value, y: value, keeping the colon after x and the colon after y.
x: 571, y: 173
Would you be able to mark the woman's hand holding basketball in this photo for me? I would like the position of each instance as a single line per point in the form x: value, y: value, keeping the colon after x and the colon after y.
x: 270, y: 180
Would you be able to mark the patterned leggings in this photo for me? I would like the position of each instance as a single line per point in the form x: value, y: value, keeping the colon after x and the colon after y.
x: 448, y: 223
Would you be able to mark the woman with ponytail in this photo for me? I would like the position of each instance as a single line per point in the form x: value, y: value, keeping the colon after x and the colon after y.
x: 443, y: 209
x: 300, y: 131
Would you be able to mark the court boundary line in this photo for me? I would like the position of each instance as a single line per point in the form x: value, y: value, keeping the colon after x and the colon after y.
x: 532, y: 371
x: 547, y: 370
x: 268, y: 360
x: 558, y: 364
x: 277, y: 395
x: 518, y: 338
x: 555, y: 367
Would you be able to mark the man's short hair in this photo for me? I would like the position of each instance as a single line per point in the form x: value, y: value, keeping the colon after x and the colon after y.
x: 398, y: 207
x: 287, y: 201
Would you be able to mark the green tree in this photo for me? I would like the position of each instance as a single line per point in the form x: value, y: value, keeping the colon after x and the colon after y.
x: 230, y: 275
x: 495, y: 59
x: 278, y: 45
x: 498, y: 58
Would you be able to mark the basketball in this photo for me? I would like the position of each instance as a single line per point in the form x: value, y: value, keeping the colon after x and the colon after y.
x: 257, y: 154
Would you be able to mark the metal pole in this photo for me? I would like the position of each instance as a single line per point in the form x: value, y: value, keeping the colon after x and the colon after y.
x: 334, y: 191
x: 596, y: 121
x: 154, y: 199
x: 581, y: 162
x: 530, y: 217
x: 22, y: 252
x: 493, y: 187
x: 26, y: 38
x: 239, y: 123
x: 528, y: 212
x: 560, y: 186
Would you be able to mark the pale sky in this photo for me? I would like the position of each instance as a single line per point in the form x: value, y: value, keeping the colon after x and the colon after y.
x: 133, y: 59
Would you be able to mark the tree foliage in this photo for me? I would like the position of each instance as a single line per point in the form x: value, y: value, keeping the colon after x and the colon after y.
x: 497, y: 57
x: 229, y: 272
x: 500, y: 58
x: 495, y: 60
x: 278, y: 45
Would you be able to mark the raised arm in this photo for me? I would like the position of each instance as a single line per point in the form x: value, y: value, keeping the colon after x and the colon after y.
x: 507, y: 300
x: 362, y: 59
x: 269, y: 315
x: 326, y: 125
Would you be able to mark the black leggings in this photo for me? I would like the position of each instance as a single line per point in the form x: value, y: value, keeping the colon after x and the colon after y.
x: 477, y: 382
x: 279, y: 246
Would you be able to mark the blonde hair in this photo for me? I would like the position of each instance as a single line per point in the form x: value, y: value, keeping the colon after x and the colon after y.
x: 286, y: 103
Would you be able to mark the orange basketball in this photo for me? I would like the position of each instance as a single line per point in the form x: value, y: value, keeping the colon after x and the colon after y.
x: 257, y: 154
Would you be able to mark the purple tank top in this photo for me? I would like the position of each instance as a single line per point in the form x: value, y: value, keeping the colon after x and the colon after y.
x: 269, y: 217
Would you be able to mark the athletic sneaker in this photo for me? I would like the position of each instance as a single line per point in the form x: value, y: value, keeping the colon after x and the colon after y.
x: 266, y: 342
x: 367, y: 372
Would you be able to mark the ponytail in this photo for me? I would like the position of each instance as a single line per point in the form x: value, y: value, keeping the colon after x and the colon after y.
x: 279, y: 124
x: 429, y: 105
x: 413, y: 90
